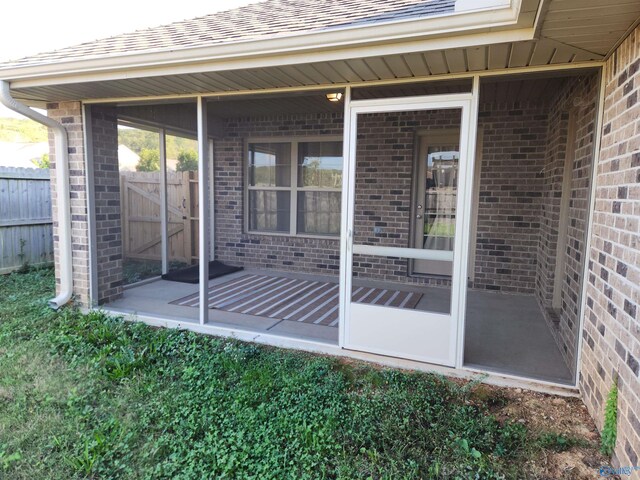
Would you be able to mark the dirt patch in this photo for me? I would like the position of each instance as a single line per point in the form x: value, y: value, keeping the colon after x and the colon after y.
x: 557, y: 419
x: 553, y: 417
x: 5, y: 395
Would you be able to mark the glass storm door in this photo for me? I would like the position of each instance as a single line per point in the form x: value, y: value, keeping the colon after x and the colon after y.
x: 434, y: 212
x: 386, y: 309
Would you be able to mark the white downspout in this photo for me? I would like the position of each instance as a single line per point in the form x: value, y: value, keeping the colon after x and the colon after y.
x: 62, y: 190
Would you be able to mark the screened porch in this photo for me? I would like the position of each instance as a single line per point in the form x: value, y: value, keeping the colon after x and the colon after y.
x: 275, y: 196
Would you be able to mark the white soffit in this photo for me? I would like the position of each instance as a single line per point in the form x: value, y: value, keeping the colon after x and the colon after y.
x: 387, y: 68
x: 595, y: 26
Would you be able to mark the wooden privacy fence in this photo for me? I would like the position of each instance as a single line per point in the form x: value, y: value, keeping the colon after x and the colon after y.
x: 25, y: 218
x: 141, y: 221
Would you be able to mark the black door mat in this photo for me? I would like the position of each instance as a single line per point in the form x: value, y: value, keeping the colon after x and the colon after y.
x: 192, y: 274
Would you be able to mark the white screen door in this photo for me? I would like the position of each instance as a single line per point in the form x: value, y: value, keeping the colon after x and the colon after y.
x: 385, y: 309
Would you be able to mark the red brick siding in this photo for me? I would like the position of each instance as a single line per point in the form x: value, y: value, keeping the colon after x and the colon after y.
x: 107, y: 203
x: 233, y: 244
x: 70, y: 115
x: 510, y: 192
x: 578, y: 98
x: 611, y: 347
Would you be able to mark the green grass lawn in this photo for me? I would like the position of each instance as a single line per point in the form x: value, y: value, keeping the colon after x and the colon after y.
x: 88, y: 396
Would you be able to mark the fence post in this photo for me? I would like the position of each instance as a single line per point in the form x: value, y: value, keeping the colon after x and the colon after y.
x: 124, y: 205
x: 186, y: 214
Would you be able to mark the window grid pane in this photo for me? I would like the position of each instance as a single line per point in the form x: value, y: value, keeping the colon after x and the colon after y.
x: 320, y: 164
x: 269, y: 211
x: 269, y: 164
x: 319, y: 183
x: 319, y: 212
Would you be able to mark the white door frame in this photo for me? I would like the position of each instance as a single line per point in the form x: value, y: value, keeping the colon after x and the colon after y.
x: 468, y: 103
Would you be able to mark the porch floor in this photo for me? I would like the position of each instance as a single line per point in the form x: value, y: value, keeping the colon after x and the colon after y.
x: 504, y: 333
x: 508, y: 334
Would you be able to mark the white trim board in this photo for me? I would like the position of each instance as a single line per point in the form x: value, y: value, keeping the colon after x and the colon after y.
x: 204, y: 220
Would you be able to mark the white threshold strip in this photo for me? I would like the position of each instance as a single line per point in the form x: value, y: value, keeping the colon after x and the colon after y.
x: 329, y: 348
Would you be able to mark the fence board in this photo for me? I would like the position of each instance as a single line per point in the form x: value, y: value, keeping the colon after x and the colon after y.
x: 26, y: 223
x: 140, y: 197
x: 25, y: 218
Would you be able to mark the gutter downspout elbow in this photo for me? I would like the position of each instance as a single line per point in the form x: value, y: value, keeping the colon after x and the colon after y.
x: 62, y: 190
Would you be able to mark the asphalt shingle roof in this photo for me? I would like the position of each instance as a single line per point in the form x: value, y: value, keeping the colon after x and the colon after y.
x: 264, y: 20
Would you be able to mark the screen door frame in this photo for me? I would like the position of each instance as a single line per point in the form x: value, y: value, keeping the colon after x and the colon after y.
x: 447, y: 328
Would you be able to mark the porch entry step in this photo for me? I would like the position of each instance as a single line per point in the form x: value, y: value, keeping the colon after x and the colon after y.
x: 293, y: 299
x: 192, y: 274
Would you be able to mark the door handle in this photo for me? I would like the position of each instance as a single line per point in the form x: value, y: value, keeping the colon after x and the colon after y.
x: 418, y: 216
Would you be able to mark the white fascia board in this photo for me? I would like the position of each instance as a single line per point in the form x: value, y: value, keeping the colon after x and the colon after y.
x: 280, y: 59
x: 450, y: 24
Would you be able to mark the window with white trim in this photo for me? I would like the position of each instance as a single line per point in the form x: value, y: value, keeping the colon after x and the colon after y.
x: 294, y: 187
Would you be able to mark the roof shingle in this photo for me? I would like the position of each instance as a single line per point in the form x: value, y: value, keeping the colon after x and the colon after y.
x: 264, y: 20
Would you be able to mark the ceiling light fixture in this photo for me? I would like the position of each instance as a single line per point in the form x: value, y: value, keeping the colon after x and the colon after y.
x: 334, y: 97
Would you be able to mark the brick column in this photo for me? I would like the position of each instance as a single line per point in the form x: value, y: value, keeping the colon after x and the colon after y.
x: 108, y: 248
x: 70, y: 115
x: 104, y: 127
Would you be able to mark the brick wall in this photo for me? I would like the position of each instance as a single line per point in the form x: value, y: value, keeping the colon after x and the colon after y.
x: 107, y: 201
x: 104, y: 125
x: 233, y: 244
x: 550, y: 204
x: 611, y: 348
x: 70, y: 115
x: 577, y: 99
x: 510, y: 195
x: 510, y: 191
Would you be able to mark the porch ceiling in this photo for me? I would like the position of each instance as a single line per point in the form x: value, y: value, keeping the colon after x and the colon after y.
x: 181, y: 116
x: 567, y: 32
x: 334, y: 73
x: 529, y: 90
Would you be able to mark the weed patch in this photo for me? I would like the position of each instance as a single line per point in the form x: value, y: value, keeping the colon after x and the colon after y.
x: 610, y: 428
